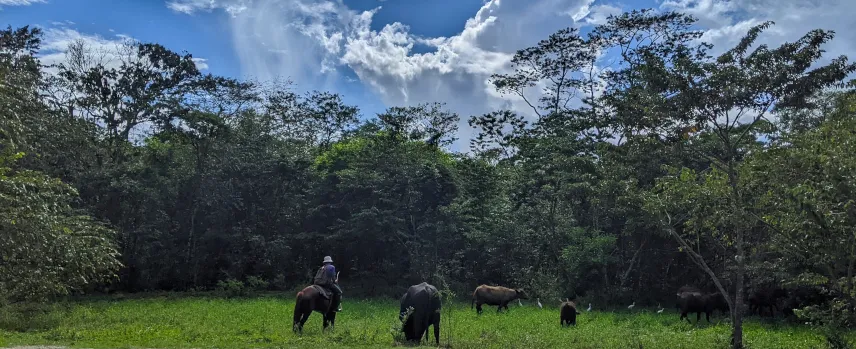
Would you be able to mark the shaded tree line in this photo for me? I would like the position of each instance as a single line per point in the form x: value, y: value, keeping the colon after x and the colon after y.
x: 673, y: 166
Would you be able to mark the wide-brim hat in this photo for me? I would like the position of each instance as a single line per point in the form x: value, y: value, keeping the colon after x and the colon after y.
x: 327, y: 259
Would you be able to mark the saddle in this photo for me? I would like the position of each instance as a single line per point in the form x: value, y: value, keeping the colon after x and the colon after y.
x: 323, y: 291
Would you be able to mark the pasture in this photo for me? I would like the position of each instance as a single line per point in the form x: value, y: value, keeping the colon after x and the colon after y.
x: 176, y: 321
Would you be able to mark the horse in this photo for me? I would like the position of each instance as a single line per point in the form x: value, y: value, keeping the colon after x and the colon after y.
x: 311, y: 299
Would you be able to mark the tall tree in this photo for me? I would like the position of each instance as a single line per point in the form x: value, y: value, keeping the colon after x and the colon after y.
x: 728, y: 98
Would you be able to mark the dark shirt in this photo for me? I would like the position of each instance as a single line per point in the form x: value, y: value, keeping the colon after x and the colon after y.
x: 331, y: 272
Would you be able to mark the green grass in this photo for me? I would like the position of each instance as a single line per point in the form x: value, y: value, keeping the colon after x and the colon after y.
x: 265, y: 322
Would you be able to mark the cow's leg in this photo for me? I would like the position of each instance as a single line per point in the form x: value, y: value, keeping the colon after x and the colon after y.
x: 684, y: 315
x: 707, y: 315
x: 697, y: 316
x: 437, y: 326
x: 498, y: 308
x: 479, y: 308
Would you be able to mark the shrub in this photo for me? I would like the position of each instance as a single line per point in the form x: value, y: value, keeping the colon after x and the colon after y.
x: 256, y: 283
x: 231, y: 288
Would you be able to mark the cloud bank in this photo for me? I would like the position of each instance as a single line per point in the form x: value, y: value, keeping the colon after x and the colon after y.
x: 313, y: 41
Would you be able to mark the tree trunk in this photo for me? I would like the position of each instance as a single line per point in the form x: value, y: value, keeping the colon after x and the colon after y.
x: 739, y: 244
x: 737, y: 308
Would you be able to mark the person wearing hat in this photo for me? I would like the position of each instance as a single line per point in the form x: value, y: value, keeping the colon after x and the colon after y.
x: 327, y: 278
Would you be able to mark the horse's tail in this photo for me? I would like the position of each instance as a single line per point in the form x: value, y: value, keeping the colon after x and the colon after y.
x: 297, y: 307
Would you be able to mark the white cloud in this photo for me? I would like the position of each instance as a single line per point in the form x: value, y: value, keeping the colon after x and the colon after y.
x: 598, y: 14
x: 20, y: 2
x: 309, y: 40
x: 201, y: 63
x: 727, y: 21
x: 106, y: 51
x: 191, y: 6
x: 57, y: 40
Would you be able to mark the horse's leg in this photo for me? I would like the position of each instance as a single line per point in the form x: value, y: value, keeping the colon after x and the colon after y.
x: 303, y: 320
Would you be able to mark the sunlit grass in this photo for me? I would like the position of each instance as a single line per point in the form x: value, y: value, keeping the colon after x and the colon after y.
x: 265, y: 322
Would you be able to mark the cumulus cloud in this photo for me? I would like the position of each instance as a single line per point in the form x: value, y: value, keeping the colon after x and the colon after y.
x: 311, y: 41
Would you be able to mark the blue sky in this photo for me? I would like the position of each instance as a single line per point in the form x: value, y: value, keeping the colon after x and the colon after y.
x: 379, y: 53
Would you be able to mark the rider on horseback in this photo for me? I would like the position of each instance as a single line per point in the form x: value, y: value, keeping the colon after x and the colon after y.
x: 327, y: 278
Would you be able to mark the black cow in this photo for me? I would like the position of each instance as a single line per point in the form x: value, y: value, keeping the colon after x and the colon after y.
x: 766, y: 297
x: 425, y: 301
x: 692, y: 300
x: 568, y: 313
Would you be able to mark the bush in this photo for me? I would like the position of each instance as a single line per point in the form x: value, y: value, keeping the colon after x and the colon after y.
x: 231, y: 288
x: 256, y: 283
x: 279, y: 283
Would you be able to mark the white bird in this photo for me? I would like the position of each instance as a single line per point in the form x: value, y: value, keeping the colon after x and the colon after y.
x: 661, y: 309
x: 519, y: 302
x: 589, y: 308
x: 538, y: 300
x: 631, y: 306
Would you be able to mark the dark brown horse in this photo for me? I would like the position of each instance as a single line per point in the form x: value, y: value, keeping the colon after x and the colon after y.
x: 311, y: 299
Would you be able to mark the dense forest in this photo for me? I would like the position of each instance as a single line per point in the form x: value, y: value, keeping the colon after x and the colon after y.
x: 730, y: 169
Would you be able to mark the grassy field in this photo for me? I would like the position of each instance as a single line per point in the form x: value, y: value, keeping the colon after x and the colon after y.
x: 265, y: 322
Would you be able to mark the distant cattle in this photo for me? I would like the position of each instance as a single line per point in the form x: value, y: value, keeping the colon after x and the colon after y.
x: 804, y: 296
x: 766, y: 298
x: 495, y: 295
x: 568, y: 313
x: 424, y: 299
x: 693, y: 300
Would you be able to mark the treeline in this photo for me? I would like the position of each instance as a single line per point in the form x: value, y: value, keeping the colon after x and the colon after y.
x: 734, y: 172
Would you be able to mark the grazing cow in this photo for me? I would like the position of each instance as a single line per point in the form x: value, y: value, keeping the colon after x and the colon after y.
x: 568, y: 313
x: 766, y: 297
x: 495, y: 295
x: 425, y: 301
x: 692, y: 300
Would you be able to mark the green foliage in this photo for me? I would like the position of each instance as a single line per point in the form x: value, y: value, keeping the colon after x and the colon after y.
x: 232, y: 288
x: 256, y: 283
x: 807, y: 180
x: 47, y: 247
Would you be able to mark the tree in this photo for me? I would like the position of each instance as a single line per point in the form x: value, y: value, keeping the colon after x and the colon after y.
x: 47, y: 247
x: 729, y: 98
x: 20, y: 77
x: 808, y: 184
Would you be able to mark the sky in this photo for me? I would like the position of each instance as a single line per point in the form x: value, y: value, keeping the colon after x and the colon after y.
x: 381, y: 53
